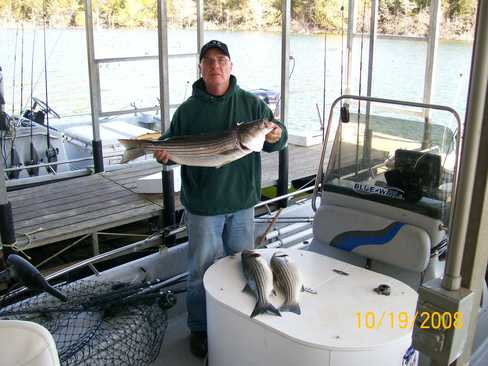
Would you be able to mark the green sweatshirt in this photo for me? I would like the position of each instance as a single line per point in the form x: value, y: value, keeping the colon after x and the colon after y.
x: 235, y: 186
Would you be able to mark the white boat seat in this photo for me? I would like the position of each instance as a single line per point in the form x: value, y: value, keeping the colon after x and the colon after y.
x: 389, y: 241
x: 24, y: 343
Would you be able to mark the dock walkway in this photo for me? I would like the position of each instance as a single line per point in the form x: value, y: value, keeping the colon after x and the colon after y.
x: 86, y: 205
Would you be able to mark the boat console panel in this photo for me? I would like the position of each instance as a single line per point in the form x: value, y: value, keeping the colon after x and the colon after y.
x: 416, y: 173
x: 388, y: 195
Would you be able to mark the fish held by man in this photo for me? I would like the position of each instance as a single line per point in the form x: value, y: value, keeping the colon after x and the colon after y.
x: 288, y: 280
x: 259, y: 282
x: 205, y: 150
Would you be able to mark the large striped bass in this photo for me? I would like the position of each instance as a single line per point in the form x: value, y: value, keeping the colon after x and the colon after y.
x: 288, y: 281
x: 259, y: 280
x: 206, y: 150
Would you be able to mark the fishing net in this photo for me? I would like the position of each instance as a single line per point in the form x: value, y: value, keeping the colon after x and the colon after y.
x: 100, y: 323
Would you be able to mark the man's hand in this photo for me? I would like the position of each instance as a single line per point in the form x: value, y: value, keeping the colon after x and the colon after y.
x: 274, y: 135
x: 162, y: 156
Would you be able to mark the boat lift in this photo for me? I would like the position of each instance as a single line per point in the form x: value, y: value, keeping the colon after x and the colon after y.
x: 163, y: 57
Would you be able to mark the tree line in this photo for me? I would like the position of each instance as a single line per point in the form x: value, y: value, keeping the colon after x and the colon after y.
x: 407, y: 17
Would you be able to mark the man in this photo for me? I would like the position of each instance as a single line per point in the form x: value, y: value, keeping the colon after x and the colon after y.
x: 219, y: 202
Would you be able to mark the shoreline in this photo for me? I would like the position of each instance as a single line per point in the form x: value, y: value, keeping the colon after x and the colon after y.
x: 296, y: 29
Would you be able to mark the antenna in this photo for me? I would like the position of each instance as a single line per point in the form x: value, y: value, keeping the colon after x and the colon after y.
x: 15, y: 64
x: 51, y: 152
x: 21, y: 67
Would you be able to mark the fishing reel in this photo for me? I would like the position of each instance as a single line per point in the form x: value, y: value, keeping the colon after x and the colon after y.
x: 167, y: 300
x: 3, y: 121
x: 29, y: 276
x: 52, y: 156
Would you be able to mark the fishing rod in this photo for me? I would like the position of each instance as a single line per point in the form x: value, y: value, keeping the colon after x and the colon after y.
x: 3, y: 115
x: 360, y: 85
x: 51, y: 152
x: 3, y: 120
x: 14, y: 160
x: 15, y: 64
x: 2, y: 90
x: 14, y: 155
x: 34, y: 156
x: 342, y: 49
x: 325, y: 80
x: 21, y: 67
x: 344, y: 107
x: 28, y: 275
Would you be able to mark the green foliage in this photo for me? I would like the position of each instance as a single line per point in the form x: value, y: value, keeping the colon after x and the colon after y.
x: 395, y: 16
x: 459, y: 8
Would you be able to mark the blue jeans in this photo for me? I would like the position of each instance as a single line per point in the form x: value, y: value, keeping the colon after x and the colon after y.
x: 211, y: 237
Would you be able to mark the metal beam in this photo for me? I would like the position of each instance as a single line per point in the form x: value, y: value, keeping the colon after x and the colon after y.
x: 3, y: 187
x: 285, y: 66
x: 94, y: 78
x: 167, y: 173
x: 200, y: 31
x: 373, y: 30
x: 470, y: 156
x: 430, y: 70
x: 351, y: 29
x: 7, y: 231
x: 109, y: 60
x: 471, y: 205
x: 163, y: 64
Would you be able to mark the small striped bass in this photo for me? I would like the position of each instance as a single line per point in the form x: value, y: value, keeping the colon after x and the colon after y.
x: 259, y: 280
x: 205, y: 150
x: 288, y: 281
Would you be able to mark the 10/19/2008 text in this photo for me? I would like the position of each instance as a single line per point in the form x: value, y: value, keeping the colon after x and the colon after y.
x: 371, y: 320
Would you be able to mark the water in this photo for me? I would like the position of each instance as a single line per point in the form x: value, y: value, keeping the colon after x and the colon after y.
x: 399, y: 69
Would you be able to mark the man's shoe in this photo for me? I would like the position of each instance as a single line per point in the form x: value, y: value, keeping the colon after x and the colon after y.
x: 198, y: 344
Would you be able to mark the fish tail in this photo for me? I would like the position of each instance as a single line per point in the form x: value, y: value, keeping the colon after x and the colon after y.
x: 264, y: 308
x: 132, y: 151
x: 132, y: 154
x: 292, y: 308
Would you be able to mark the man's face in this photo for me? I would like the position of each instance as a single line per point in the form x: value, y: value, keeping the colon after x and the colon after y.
x: 215, y: 68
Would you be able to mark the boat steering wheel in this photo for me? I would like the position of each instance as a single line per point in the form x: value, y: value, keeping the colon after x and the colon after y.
x: 45, y: 108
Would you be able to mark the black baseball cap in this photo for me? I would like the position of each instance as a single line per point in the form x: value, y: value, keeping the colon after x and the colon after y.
x: 214, y: 44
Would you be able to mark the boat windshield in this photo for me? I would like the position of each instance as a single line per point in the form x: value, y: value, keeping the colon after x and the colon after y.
x: 394, y: 156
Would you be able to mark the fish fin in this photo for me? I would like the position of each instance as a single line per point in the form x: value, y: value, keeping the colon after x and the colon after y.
x: 292, y: 308
x: 280, y: 254
x: 309, y: 290
x: 254, y: 254
x: 264, y: 308
x: 247, y: 289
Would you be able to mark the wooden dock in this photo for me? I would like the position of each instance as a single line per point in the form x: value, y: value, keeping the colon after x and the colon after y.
x: 80, y: 206
x: 86, y: 205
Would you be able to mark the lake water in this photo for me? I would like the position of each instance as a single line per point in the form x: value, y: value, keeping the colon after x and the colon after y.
x: 399, y: 69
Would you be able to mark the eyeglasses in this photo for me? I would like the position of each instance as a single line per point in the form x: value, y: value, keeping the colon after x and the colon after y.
x: 221, y: 61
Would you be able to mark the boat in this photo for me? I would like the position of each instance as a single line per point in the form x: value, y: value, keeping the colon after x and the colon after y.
x: 27, y: 139
x: 386, y: 215
x: 387, y: 229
